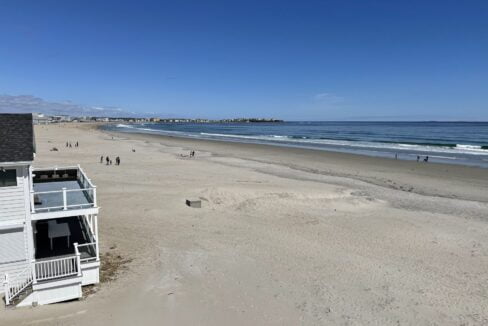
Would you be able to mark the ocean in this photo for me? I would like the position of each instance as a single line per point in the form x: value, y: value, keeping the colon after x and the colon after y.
x: 443, y: 142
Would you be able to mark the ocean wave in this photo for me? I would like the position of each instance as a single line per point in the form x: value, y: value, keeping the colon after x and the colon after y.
x: 121, y: 125
x: 420, y: 147
x: 471, y: 147
x: 447, y: 145
x: 227, y: 135
x: 299, y: 140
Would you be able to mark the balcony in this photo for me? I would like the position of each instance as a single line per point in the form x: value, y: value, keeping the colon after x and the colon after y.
x: 60, y: 189
x: 79, y: 231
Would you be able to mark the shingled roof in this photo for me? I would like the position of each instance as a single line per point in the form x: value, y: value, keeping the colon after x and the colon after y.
x: 16, y: 138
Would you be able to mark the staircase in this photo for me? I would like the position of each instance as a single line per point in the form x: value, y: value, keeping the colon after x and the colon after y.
x: 20, y: 296
x: 41, y: 277
x: 18, y: 287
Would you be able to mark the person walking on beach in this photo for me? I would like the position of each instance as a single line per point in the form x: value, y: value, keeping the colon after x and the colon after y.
x: 107, y: 159
x: 101, y: 159
x: 418, y: 158
x: 66, y: 144
x: 77, y: 144
x: 117, y: 160
x: 70, y: 145
x: 426, y: 159
x: 396, y: 156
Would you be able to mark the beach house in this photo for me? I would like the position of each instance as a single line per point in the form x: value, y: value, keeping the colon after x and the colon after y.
x: 48, y: 223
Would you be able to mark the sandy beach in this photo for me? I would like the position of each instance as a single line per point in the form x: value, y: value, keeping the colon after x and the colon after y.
x: 285, y: 236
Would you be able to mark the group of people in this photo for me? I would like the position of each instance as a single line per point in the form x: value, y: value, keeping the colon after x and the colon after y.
x: 426, y: 159
x: 109, y: 161
x: 68, y: 144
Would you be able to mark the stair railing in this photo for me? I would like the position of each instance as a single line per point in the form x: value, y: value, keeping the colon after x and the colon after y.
x: 16, y: 284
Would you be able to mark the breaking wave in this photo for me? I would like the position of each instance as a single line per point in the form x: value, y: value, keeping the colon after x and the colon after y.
x: 370, y: 140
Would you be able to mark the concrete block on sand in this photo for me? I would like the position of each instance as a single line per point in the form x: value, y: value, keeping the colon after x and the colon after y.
x: 194, y: 203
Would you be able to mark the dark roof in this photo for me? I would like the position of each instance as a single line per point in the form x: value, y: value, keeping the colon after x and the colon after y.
x: 16, y: 138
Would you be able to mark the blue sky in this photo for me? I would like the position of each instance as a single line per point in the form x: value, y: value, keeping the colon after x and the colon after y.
x: 303, y: 60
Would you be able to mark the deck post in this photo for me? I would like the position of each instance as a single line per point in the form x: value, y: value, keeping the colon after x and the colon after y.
x: 65, y: 205
x: 95, y: 222
x: 78, y: 258
x: 7, y: 292
x: 94, y: 196
x: 88, y: 219
x: 92, y: 227
x: 32, y: 202
x: 34, y: 276
x: 79, y: 171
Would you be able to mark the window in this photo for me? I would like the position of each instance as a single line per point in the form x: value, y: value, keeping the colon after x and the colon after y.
x: 12, y: 243
x: 8, y: 178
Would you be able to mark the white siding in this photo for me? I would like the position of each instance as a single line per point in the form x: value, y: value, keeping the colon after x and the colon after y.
x: 14, y: 208
x: 13, y: 258
x: 13, y: 199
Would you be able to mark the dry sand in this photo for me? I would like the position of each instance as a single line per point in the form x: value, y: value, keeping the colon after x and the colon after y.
x: 284, y: 236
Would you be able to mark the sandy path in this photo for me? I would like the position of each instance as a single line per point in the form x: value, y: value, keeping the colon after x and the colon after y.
x: 284, y: 237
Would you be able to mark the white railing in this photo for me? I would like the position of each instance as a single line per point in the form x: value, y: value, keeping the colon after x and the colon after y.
x: 84, y: 179
x: 62, y: 196
x: 42, y: 270
x: 57, y: 268
x: 87, y: 183
x: 81, y: 175
x: 86, y: 247
x: 15, y: 285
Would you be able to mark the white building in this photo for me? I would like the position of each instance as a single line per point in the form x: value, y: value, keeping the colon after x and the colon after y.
x: 48, y: 223
x: 40, y: 119
x: 60, y: 118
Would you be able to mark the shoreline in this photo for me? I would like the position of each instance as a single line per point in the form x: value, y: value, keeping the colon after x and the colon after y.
x: 445, y: 153
x: 407, y: 173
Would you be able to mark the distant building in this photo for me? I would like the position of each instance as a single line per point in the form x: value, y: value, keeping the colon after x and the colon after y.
x: 40, y: 119
x: 60, y: 118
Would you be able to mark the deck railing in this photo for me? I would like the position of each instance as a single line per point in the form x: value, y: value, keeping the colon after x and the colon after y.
x: 88, y: 251
x: 14, y: 285
x: 57, y: 268
x: 66, y: 199
x: 42, y: 270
